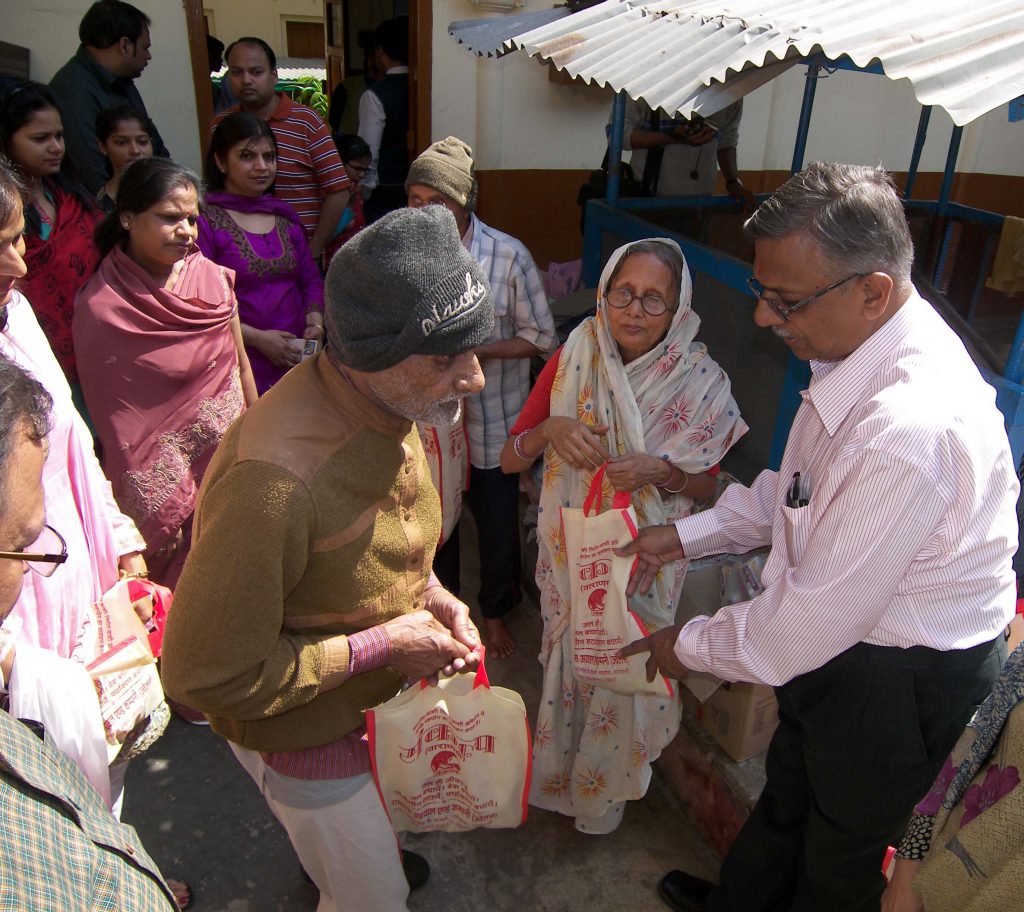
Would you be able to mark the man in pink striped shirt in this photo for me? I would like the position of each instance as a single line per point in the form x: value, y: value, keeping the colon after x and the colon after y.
x: 892, y: 525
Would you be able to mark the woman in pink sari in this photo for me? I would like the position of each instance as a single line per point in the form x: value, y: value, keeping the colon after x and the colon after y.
x: 162, y: 362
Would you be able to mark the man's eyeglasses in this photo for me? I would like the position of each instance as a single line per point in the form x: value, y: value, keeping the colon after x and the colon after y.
x: 654, y: 305
x: 786, y: 310
x: 44, y: 555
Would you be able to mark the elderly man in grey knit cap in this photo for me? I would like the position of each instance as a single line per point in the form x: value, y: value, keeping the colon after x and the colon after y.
x: 308, y: 596
x: 443, y: 175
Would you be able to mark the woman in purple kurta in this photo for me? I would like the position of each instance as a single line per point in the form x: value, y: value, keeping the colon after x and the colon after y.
x: 279, y: 287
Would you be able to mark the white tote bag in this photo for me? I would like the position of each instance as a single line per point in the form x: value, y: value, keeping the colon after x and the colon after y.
x: 452, y: 756
x: 119, y: 659
x: 602, y: 622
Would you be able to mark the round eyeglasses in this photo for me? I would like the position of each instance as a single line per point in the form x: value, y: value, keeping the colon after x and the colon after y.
x: 654, y: 305
x: 785, y: 310
x: 44, y: 555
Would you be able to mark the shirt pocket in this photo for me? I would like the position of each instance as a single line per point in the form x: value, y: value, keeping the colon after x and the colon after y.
x: 797, y: 522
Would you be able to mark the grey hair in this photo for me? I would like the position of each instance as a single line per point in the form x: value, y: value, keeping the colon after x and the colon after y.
x: 12, y: 191
x: 851, y: 213
x: 24, y: 409
x: 668, y: 255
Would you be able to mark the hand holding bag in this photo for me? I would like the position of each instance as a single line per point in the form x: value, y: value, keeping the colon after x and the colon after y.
x: 118, y: 657
x: 601, y: 620
x: 452, y: 756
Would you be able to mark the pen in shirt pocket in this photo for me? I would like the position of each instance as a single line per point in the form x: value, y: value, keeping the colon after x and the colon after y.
x: 799, y: 492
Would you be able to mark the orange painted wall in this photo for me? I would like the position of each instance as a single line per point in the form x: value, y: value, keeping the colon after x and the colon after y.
x: 539, y: 207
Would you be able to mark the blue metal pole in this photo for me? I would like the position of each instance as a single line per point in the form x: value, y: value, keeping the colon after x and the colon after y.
x: 1015, y: 362
x: 943, y: 207
x: 810, y: 86
x: 950, y: 172
x: 915, y: 158
x: 615, y: 148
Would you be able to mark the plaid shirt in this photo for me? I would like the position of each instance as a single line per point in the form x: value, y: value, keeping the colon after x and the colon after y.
x: 60, y: 848
x: 520, y: 312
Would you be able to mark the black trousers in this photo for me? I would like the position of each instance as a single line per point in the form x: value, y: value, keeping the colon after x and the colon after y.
x: 859, y: 743
x: 493, y: 497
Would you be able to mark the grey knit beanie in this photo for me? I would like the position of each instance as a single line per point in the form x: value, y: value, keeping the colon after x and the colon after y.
x: 405, y: 286
x: 446, y: 166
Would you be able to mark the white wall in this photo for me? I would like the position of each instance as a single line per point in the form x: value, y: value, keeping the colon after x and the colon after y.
x: 514, y: 118
x: 49, y: 28
x: 506, y: 109
x: 231, y: 19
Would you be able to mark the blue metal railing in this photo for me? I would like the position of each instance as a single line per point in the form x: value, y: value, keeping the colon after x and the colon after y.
x: 624, y: 218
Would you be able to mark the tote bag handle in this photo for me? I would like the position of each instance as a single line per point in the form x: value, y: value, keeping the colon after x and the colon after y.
x: 479, y: 680
x: 620, y: 501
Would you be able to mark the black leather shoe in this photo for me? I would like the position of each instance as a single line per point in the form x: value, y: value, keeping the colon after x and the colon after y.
x: 417, y: 871
x: 684, y: 892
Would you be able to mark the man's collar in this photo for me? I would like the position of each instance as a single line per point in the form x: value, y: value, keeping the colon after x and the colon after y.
x: 105, y: 77
x: 282, y: 111
x: 837, y: 386
x: 469, y: 239
x: 343, y: 390
x: 391, y: 71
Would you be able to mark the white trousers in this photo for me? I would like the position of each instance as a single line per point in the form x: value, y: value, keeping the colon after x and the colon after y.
x: 341, y: 834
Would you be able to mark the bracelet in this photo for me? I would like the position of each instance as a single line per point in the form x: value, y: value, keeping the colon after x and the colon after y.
x: 733, y: 180
x: 517, y: 444
x: 665, y: 487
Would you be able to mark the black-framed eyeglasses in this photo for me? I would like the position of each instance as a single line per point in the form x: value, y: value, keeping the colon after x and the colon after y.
x: 654, y: 305
x: 786, y: 310
x: 44, y: 555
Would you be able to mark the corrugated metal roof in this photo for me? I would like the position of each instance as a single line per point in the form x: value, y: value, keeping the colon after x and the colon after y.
x: 293, y: 68
x: 686, y: 55
x: 491, y: 37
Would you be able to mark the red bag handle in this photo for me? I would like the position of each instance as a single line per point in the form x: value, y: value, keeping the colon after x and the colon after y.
x: 620, y: 501
x: 162, y: 597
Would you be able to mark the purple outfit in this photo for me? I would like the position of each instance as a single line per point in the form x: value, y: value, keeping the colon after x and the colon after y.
x: 277, y: 281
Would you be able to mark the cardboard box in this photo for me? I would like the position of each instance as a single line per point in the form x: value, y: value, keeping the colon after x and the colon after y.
x: 741, y: 717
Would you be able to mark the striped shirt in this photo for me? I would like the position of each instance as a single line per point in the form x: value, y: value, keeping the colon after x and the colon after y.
x: 520, y: 312
x: 348, y: 756
x: 910, y: 526
x: 308, y: 166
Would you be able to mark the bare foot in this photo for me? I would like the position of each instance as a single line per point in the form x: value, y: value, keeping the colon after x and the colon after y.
x: 498, y: 638
x: 182, y: 893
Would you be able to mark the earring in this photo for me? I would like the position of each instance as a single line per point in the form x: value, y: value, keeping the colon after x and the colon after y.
x: 124, y: 224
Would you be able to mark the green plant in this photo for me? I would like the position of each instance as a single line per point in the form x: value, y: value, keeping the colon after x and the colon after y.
x: 308, y: 90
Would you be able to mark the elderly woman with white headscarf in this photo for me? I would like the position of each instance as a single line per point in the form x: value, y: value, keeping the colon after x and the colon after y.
x: 630, y: 388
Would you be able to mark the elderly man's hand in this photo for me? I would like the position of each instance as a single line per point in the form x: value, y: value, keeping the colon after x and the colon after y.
x: 654, y: 547
x: 662, y: 658
x: 422, y: 647
x: 454, y: 614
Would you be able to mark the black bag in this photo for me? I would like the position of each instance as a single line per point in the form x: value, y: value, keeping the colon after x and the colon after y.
x: 596, y: 186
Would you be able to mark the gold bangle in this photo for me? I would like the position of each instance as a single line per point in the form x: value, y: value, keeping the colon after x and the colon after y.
x: 686, y: 481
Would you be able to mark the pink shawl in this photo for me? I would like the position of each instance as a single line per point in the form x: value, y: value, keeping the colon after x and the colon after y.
x: 159, y: 371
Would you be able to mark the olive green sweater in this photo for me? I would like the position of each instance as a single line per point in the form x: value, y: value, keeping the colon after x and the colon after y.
x: 316, y: 517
